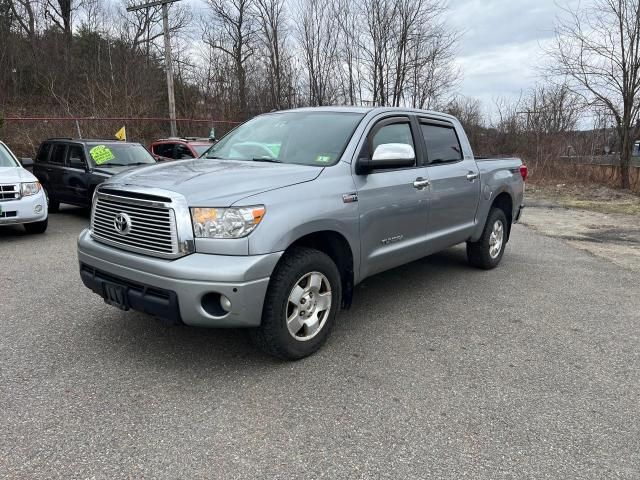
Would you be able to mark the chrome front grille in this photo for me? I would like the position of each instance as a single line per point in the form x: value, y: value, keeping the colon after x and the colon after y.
x: 135, y: 224
x: 9, y: 192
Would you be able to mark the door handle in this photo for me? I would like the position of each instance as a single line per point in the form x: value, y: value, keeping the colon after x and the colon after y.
x: 421, y: 183
x: 471, y: 176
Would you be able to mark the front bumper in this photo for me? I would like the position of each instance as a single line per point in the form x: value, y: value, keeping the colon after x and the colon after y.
x: 23, y: 210
x: 174, y: 289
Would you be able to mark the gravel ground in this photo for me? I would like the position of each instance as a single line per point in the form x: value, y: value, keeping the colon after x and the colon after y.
x: 606, y: 233
x: 438, y: 371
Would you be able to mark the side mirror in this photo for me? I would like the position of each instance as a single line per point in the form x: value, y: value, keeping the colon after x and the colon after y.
x: 77, y: 163
x: 26, y: 162
x: 388, y: 155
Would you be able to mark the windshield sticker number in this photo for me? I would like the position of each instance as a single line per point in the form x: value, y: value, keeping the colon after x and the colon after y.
x: 101, y: 154
x: 323, y: 158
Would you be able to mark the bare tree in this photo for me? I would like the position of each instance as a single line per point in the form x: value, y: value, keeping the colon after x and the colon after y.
x: 233, y: 32
x: 25, y: 13
x: 60, y: 13
x: 552, y: 109
x: 597, y: 49
x: 272, y: 21
x: 349, y: 45
x: 143, y: 28
x: 407, y: 51
x: 314, y: 24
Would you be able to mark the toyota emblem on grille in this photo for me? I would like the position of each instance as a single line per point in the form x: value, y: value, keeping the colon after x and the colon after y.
x: 122, y: 223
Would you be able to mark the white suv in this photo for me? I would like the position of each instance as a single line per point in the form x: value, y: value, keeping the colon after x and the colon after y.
x: 22, y: 200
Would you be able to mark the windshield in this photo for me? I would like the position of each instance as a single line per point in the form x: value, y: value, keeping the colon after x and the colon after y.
x: 119, y: 154
x: 6, y: 159
x: 303, y: 138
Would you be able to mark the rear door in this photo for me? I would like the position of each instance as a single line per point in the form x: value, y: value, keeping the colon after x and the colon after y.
x: 42, y: 162
x: 393, y: 208
x: 54, y: 171
x: 455, y: 185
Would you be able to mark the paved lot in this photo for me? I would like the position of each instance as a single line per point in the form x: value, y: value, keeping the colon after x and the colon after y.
x: 528, y: 371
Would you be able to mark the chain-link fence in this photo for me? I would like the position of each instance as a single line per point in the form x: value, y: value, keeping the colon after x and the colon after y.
x: 24, y: 135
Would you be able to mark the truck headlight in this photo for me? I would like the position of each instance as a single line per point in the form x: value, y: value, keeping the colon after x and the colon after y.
x: 30, y: 188
x: 233, y: 222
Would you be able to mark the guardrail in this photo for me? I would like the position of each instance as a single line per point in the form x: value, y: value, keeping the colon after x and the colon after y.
x: 603, y: 160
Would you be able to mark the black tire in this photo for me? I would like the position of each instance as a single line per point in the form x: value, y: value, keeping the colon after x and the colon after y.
x: 478, y: 253
x: 37, y: 227
x: 53, y: 206
x: 273, y: 336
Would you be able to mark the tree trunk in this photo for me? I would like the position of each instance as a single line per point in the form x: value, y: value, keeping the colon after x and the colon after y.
x: 625, y: 158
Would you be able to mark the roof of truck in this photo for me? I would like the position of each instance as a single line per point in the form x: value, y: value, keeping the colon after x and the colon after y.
x: 366, y: 110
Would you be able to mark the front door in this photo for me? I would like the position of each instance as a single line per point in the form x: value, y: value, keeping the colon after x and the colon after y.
x: 392, y: 203
x: 455, y: 186
x: 75, y: 177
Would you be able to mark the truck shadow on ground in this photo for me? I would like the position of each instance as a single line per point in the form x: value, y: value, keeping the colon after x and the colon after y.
x: 179, y: 347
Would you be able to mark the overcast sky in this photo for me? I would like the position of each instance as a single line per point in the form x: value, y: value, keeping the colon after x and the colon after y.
x: 501, y: 44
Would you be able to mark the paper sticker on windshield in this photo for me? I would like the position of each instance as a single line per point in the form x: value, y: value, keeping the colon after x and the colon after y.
x: 101, y: 154
x: 323, y: 158
x: 275, y: 148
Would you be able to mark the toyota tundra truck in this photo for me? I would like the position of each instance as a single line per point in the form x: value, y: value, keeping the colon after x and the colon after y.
x: 277, y: 223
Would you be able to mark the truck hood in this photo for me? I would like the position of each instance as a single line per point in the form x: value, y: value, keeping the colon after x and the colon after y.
x: 217, y: 183
x: 15, y: 175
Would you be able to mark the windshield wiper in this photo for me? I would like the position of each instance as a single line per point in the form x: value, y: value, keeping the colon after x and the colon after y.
x: 266, y: 159
x: 112, y: 164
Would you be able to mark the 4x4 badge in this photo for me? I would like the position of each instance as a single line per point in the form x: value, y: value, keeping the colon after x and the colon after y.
x: 122, y: 223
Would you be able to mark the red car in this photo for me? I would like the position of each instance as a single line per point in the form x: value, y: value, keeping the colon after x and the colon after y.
x: 179, y: 148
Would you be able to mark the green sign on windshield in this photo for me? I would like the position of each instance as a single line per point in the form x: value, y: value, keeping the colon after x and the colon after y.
x: 101, y: 154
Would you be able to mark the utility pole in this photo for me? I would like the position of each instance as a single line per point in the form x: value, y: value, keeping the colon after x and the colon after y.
x: 167, y: 56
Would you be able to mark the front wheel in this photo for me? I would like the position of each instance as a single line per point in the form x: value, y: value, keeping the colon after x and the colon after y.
x: 37, y: 227
x: 487, y: 252
x: 301, y: 304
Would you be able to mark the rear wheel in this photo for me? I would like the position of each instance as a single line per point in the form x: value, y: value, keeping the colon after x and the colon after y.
x: 52, y: 205
x: 487, y: 252
x: 301, y: 304
x: 37, y: 227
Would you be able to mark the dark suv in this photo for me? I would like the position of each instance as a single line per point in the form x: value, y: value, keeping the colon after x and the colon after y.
x: 69, y: 170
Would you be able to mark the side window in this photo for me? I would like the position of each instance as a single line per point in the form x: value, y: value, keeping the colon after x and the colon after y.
x: 43, y: 153
x: 57, y: 155
x: 183, y: 152
x: 394, y: 133
x: 75, y: 157
x: 442, y: 143
x: 164, y: 150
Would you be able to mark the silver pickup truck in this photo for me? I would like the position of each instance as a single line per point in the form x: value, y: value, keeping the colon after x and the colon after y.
x: 274, y: 227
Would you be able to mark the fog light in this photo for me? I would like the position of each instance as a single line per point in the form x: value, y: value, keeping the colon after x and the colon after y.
x: 225, y: 303
x: 38, y: 208
x: 216, y: 304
